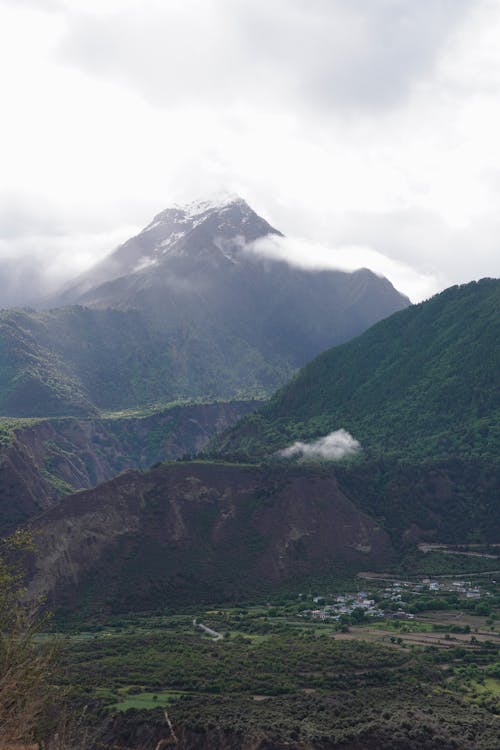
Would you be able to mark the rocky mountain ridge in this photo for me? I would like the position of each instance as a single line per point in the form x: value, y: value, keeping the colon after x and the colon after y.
x: 204, y: 231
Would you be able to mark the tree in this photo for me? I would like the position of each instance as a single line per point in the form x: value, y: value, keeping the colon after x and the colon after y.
x: 25, y: 665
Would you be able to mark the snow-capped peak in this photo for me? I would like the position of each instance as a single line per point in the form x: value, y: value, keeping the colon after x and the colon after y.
x: 187, y: 216
x: 216, y: 202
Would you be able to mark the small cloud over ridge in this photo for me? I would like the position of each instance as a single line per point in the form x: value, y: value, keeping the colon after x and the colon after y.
x: 338, y: 444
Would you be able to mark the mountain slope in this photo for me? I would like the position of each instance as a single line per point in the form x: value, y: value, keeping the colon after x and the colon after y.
x: 421, y: 384
x: 78, y: 361
x: 198, y: 532
x: 193, y: 532
x: 183, y: 310
x: 202, y: 231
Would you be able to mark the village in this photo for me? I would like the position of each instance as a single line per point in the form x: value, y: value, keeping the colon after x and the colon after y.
x: 396, y: 600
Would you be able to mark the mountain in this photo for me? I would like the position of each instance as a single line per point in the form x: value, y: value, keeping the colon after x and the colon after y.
x: 195, y: 532
x: 421, y: 385
x: 79, y: 361
x: 184, y: 309
x: 179, y: 241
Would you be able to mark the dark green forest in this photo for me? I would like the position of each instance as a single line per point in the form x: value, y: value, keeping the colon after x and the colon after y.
x: 422, y: 384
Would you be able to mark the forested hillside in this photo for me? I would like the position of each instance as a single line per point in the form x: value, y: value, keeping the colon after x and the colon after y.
x: 422, y: 384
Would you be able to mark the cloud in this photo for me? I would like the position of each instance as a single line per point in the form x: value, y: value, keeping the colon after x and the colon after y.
x: 316, y: 256
x: 368, y: 126
x: 359, y: 55
x: 38, y: 5
x: 333, y: 447
x: 421, y: 253
x: 327, y: 54
x: 40, y: 250
x: 145, y: 262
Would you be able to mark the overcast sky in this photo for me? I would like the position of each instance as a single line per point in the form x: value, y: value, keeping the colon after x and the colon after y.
x: 365, y: 130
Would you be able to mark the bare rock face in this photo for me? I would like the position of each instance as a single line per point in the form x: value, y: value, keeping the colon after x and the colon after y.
x: 197, y: 532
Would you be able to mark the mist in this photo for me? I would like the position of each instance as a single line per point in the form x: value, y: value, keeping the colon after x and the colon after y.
x: 35, y: 264
x: 315, y: 256
x: 317, y: 131
x: 333, y: 447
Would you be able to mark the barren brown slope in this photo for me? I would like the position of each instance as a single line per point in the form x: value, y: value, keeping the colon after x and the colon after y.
x: 191, y: 532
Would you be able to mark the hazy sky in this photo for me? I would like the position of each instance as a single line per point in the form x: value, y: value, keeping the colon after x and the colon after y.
x: 365, y: 130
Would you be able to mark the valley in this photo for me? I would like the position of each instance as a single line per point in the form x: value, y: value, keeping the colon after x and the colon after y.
x: 250, y: 375
x: 295, y: 679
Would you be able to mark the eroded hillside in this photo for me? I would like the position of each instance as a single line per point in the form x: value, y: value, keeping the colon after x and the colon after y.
x: 42, y: 460
x: 192, y: 532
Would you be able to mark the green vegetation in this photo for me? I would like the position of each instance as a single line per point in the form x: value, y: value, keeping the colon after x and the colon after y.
x: 149, y: 410
x: 26, y: 690
x: 453, y: 500
x: 420, y: 385
x: 274, y: 666
x: 281, y: 676
x: 78, y: 361
x: 146, y: 700
x: 8, y: 429
x: 297, y: 681
x: 419, y: 390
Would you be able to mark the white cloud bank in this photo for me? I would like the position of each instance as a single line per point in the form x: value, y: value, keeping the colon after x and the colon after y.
x: 315, y: 256
x: 332, y: 447
x: 369, y: 127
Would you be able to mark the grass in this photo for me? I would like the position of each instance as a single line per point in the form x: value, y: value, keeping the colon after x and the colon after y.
x: 145, y: 411
x: 149, y: 410
x: 250, y: 637
x: 133, y: 696
x: 488, y: 685
x: 8, y: 426
x: 400, y: 626
x: 147, y: 700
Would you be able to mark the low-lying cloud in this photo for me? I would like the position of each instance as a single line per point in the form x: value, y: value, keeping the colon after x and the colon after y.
x: 314, y: 256
x: 37, y: 263
x: 338, y: 444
